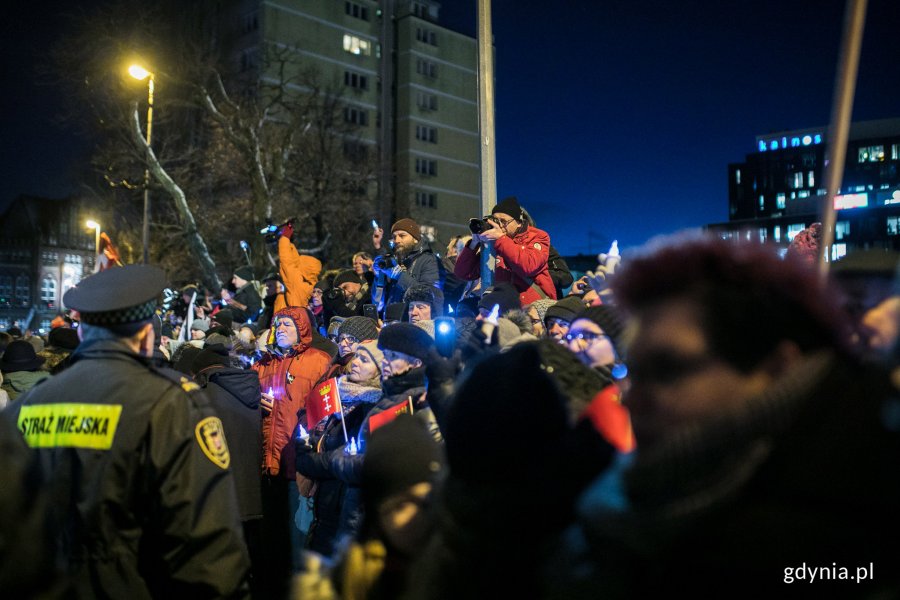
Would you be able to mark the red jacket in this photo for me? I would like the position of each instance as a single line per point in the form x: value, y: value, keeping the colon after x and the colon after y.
x: 521, y: 260
x: 291, y: 377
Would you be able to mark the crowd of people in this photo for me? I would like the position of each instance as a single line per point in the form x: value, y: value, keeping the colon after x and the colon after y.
x: 698, y: 415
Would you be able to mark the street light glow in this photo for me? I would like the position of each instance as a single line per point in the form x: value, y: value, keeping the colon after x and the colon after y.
x: 138, y: 72
x: 92, y: 224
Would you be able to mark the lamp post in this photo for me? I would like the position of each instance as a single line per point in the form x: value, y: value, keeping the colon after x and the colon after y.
x: 140, y: 73
x: 91, y: 224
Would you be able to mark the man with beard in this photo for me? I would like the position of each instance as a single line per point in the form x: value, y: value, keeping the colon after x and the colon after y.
x: 413, y: 263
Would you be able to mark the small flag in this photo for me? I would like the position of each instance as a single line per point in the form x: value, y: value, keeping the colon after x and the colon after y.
x: 322, y: 402
x: 388, y: 415
x: 108, y: 256
x: 610, y: 418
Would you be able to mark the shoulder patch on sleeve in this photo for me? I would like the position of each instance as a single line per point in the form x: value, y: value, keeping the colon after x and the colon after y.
x: 188, y: 385
x: 211, y: 438
x: 537, y: 246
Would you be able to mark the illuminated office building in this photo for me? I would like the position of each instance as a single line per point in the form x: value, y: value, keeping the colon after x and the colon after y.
x: 776, y: 192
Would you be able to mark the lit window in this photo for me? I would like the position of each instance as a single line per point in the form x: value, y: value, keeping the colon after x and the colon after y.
x: 48, y: 289
x: 803, y: 194
x: 355, y: 45
x: 779, y: 200
x: 776, y: 233
x: 893, y: 225
x: 871, y: 154
x: 762, y: 202
x: 794, y: 229
x: 811, y: 179
x: 895, y: 151
x: 838, y: 251
x: 762, y: 235
x: 841, y: 229
x: 798, y: 181
x: 737, y: 176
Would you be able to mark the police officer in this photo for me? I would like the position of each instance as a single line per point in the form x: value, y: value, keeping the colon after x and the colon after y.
x: 135, y: 458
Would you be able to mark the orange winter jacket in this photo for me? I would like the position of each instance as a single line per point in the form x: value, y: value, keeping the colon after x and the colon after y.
x: 299, y: 273
x: 290, y: 376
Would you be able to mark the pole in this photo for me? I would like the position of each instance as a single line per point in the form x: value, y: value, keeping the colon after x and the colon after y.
x: 97, y: 242
x: 838, y: 129
x: 146, y: 229
x: 486, y: 131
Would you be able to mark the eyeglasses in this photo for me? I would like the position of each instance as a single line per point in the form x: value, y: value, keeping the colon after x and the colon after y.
x: 503, y: 223
x: 587, y: 336
x: 349, y: 339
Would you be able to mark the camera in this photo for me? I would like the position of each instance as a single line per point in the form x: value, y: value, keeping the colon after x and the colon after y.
x: 272, y: 231
x: 477, y: 226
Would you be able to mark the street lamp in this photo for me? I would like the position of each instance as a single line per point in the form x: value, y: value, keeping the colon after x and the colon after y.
x: 96, y: 227
x: 140, y: 73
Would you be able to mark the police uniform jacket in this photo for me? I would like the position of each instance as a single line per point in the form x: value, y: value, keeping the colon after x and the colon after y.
x: 138, y: 469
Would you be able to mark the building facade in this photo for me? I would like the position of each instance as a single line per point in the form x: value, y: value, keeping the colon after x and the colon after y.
x: 45, y: 249
x: 410, y: 88
x: 777, y: 191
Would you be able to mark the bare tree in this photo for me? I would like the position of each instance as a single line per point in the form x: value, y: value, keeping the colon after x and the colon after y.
x: 223, y: 160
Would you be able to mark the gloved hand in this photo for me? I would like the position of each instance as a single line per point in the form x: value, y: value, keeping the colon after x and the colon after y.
x: 607, y: 263
x: 287, y: 230
x: 394, y: 273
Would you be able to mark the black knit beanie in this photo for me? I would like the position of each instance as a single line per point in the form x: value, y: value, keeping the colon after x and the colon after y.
x: 347, y: 277
x: 406, y: 338
x: 506, y: 399
x: 609, y: 319
x: 503, y: 294
x: 398, y: 456
x: 244, y: 272
x: 565, y: 309
x: 509, y: 206
x: 210, y: 356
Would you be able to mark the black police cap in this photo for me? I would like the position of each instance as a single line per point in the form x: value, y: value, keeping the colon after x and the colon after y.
x: 117, y: 296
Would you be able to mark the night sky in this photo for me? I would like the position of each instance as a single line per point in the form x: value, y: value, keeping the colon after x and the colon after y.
x: 615, y: 119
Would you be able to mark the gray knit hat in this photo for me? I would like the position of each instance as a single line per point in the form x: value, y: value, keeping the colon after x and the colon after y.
x: 362, y: 328
x: 541, y: 307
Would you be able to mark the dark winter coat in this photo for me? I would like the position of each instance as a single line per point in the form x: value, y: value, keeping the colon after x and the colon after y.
x: 421, y: 267
x: 138, y: 468
x: 805, y: 475
x: 336, y: 503
x: 401, y: 390
x: 234, y: 394
x: 248, y: 296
